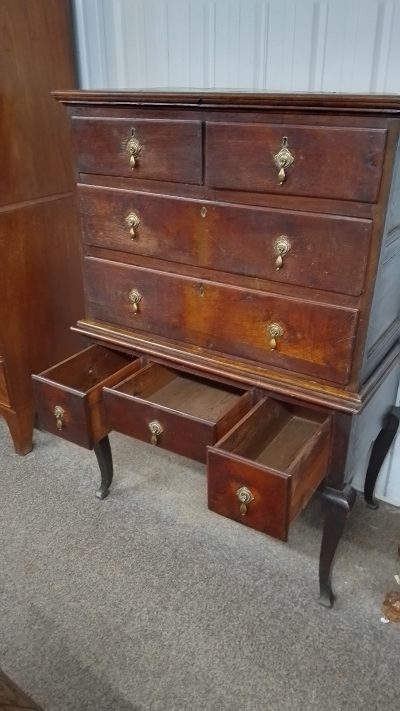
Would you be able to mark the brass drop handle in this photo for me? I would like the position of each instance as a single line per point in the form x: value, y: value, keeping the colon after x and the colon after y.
x: 135, y: 298
x: 283, y: 160
x: 133, y: 148
x: 245, y: 498
x: 155, y: 429
x: 133, y: 222
x: 274, y: 331
x: 59, y: 415
x: 281, y: 248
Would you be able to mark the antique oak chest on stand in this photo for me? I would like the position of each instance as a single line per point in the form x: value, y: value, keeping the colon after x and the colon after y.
x: 241, y: 261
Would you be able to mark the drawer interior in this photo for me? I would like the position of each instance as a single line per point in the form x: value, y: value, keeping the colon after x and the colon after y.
x: 273, y: 433
x: 87, y: 369
x: 188, y: 394
x: 74, y: 390
x: 275, y: 456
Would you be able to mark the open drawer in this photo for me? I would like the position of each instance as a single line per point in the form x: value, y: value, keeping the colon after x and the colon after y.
x: 69, y: 398
x: 177, y: 411
x: 263, y: 472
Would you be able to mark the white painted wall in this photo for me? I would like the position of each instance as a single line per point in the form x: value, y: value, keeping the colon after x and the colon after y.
x: 288, y: 45
x: 267, y: 45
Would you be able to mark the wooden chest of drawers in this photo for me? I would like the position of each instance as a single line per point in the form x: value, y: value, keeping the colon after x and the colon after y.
x: 244, y: 250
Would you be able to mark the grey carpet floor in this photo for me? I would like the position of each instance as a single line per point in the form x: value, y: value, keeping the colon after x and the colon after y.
x: 147, y: 601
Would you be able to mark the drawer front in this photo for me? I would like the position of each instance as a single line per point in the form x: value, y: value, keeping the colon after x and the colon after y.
x: 177, y: 412
x: 255, y: 493
x: 312, y: 338
x: 331, y: 162
x: 289, y: 247
x: 70, y: 406
x: 179, y: 433
x: 4, y: 392
x: 165, y: 150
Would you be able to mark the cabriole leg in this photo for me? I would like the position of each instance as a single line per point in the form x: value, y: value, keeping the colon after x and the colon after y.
x: 337, y: 506
x: 379, y: 451
x: 102, y: 450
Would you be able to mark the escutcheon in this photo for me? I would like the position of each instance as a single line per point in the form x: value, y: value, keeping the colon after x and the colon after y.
x: 281, y: 248
x: 135, y: 298
x: 283, y: 160
x: 156, y: 429
x: 59, y: 415
x: 133, y: 222
x: 245, y: 498
x: 274, y: 331
x: 133, y: 148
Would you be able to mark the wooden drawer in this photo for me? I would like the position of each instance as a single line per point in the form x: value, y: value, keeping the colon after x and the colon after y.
x: 68, y: 396
x: 211, y: 235
x: 174, y: 410
x: 329, y: 161
x: 264, y: 471
x: 169, y: 150
x: 316, y: 339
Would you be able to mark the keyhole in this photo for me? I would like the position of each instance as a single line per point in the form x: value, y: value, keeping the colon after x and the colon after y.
x: 201, y: 290
x: 203, y: 211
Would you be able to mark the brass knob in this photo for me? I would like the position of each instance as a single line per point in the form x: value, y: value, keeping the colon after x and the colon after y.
x: 59, y: 415
x: 155, y: 429
x: 245, y: 498
x: 281, y: 248
x: 274, y: 331
x: 133, y: 222
x: 283, y: 159
x: 133, y: 148
x: 135, y: 298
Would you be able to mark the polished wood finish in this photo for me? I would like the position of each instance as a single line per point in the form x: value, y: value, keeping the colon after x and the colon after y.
x: 328, y: 162
x: 76, y: 386
x: 192, y: 412
x: 280, y: 454
x: 40, y: 275
x: 203, y: 269
x: 190, y: 231
x: 170, y: 150
x: 338, y: 104
x: 317, y: 338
